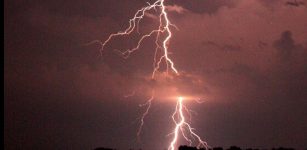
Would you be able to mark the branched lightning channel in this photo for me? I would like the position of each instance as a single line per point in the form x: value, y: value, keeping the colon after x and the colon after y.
x: 147, y: 105
x: 162, y: 29
x: 163, y: 35
x: 183, y: 127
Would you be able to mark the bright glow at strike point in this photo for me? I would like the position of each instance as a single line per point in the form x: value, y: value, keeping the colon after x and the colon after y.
x: 163, y: 34
x: 182, y: 126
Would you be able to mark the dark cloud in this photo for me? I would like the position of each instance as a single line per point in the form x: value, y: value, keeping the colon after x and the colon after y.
x: 225, y: 47
x: 295, y: 3
x: 286, y: 46
x: 207, y: 6
x: 271, y: 3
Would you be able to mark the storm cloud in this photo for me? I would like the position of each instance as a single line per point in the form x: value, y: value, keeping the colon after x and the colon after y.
x: 247, y: 59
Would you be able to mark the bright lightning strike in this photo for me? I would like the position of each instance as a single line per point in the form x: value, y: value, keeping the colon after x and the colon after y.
x: 163, y: 35
x: 162, y: 29
x: 183, y: 127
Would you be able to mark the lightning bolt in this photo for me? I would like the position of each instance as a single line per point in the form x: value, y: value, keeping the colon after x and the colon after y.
x: 147, y: 105
x: 182, y: 126
x: 163, y: 35
x: 164, y: 28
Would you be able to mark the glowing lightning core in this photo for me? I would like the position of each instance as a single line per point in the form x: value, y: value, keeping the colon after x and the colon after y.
x: 182, y: 126
x: 164, y: 28
x: 163, y: 35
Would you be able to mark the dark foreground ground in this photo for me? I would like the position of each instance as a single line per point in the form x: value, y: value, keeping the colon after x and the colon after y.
x: 215, y: 148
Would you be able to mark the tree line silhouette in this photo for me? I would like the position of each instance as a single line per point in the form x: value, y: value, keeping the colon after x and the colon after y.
x: 184, y: 147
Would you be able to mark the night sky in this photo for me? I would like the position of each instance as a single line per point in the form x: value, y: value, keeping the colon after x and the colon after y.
x: 249, y: 58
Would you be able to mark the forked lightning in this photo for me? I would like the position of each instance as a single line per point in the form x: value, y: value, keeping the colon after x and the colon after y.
x: 162, y: 34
